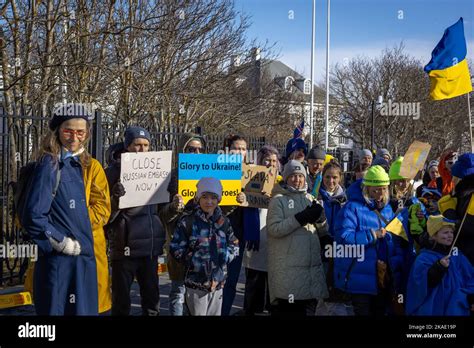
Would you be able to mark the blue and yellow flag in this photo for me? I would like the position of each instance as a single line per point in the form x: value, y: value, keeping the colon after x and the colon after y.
x: 400, y: 224
x: 448, y: 69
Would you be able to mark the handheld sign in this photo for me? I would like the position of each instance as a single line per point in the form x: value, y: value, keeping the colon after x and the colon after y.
x: 145, y: 177
x: 257, y: 183
x: 414, y: 159
x: 226, y: 168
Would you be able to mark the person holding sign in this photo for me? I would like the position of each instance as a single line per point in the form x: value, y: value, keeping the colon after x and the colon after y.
x: 441, y: 283
x: 235, y: 144
x: 256, y: 297
x: 56, y: 217
x: 170, y: 213
x: 205, y: 243
x: 136, y: 239
x: 362, y: 222
x: 295, y: 223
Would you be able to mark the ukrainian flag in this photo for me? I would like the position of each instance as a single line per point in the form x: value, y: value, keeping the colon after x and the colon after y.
x: 400, y: 224
x: 448, y: 69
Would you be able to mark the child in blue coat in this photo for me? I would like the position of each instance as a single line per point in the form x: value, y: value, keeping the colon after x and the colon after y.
x: 440, y: 283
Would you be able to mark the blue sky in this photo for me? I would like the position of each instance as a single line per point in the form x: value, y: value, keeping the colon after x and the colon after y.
x: 358, y: 27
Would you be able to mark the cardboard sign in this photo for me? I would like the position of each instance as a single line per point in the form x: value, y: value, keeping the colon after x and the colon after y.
x: 145, y: 176
x: 414, y: 159
x: 257, y: 183
x: 226, y: 168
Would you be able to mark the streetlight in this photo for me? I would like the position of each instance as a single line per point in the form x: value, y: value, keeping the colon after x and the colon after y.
x: 379, y: 102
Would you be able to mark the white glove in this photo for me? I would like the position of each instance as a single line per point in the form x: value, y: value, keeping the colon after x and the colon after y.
x: 67, y: 246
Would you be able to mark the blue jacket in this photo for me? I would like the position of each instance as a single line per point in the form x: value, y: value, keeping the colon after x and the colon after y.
x: 58, y: 276
x: 206, y: 248
x: 406, y: 249
x: 332, y: 205
x: 449, y: 297
x: 354, y: 225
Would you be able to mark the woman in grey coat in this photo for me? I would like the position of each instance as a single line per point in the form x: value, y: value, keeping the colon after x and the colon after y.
x: 295, y: 223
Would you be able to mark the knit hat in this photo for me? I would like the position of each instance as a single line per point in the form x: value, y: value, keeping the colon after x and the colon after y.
x: 211, y: 185
x: 293, y: 167
x: 133, y: 132
x: 394, y: 172
x: 437, y: 222
x: 316, y: 153
x: 265, y: 151
x: 464, y: 166
x: 376, y: 176
x: 295, y: 144
x: 67, y: 112
x: 380, y: 161
x: 383, y: 152
x: 365, y: 152
x: 433, y: 163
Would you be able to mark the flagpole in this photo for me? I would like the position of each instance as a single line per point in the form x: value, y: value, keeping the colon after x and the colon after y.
x: 327, y: 76
x: 470, y: 118
x: 311, y: 108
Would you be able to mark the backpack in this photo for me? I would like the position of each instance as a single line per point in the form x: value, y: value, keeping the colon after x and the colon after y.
x: 20, y: 188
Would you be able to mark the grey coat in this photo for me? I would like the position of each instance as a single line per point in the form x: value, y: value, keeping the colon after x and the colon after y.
x: 295, y: 270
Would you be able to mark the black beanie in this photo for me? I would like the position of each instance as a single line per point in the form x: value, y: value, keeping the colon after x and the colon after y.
x: 67, y: 112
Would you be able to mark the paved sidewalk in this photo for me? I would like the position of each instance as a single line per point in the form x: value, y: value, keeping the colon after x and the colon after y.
x: 165, y: 286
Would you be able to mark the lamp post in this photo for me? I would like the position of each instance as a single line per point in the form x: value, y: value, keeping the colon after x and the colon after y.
x: 379, y: 102
x: 311, y: 108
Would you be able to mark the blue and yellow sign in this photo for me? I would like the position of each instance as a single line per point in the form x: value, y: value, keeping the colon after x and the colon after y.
x: 227, y: 168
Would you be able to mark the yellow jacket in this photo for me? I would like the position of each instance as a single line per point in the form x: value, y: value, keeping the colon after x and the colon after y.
x: 98, y: 205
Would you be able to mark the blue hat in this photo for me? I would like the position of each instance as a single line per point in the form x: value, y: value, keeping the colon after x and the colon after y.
x: 464, y: 166
x: 133, y: 132
x: 295, y: 144
x: 430, y: 191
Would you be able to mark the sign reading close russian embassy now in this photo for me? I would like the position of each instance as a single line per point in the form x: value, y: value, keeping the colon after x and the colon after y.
x: 226, y: 168
x: 145, y: 177
x: 257, y: 183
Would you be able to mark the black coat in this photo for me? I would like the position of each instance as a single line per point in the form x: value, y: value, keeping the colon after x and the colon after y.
x: 134, y: 232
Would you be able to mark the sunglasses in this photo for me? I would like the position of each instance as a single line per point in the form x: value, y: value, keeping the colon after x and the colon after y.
x: 69, y: 133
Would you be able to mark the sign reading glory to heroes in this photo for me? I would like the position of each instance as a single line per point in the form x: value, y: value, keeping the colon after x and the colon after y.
x: 145, y: 177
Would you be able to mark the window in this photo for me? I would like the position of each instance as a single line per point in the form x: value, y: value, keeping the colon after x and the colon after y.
x: 344, y: 140
x: 289, y: 82
x: 307, y: 87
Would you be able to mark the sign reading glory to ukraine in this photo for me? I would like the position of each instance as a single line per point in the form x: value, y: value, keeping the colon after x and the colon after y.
x: 226, y: 168
x: 145, y: 177
x: 448, y: 69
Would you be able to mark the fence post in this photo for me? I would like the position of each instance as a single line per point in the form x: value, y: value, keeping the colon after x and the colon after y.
x: 97, y: 152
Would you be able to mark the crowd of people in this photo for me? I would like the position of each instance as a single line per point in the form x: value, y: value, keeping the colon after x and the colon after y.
x: 288, y: 249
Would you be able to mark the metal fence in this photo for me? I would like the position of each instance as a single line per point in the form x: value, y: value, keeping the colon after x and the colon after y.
x: 20, y: 136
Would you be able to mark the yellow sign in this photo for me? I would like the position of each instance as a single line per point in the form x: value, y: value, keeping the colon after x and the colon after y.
x: 414, y: 159
x: 230, y: 189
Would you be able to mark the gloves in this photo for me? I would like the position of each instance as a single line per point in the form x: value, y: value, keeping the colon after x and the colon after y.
x: 310, y: 215
x: 118, y: 190
x: 67, y: 246
x: 253, y: 245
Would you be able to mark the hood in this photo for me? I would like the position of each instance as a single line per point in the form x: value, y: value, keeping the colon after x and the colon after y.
x: 282, y: 189
x: 112, y: 155
x: 339, y: 195
x: 445, y: 174
x: 185, y: 138
x: 354, y: 192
